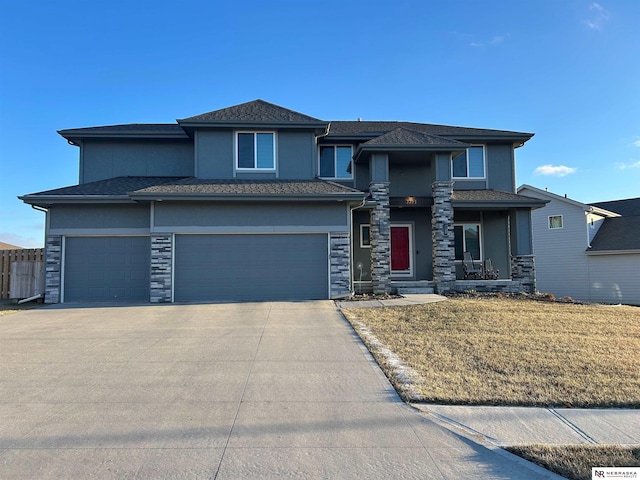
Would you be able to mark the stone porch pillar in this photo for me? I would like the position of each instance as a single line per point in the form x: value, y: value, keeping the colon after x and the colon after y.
x: 161, y: 268
x: 52, y: 268
x: 523, y: 269
x: 444, y: 273
x: 380, y: 238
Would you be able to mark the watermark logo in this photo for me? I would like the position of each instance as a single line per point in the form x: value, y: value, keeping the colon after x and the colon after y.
x: 615, y: 472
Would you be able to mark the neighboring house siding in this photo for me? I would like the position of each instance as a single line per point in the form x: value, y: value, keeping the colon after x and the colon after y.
x: 100, y: 160
x: 89, y: 218
x: 594, y: 222
x: 242, y: 216
x: 561, y: 263
x: 615, y: 278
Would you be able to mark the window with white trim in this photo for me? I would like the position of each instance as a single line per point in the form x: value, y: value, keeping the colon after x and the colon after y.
x: 469, y: 164
x: 555, y: 221
x: 466, y: 238
x: 255, y: 151
x: 365, y: 235
x: 334, y: 160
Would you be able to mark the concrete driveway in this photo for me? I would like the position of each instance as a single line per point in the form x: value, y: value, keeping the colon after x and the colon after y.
x: 254, y: 390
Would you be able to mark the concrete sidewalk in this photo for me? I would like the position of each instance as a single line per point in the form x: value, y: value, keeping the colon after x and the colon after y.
x: 510, y: 426
x: 228, y: 391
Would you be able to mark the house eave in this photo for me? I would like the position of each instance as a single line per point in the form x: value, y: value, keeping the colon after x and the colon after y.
x: 496, y: 204
x: 612, y: 252
x: 365, y: 150
x: 46, y: 201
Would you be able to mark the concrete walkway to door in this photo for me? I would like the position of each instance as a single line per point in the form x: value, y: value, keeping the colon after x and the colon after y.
x: 253, y: 390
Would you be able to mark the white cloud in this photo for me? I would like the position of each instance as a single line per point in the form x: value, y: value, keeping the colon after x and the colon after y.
x: 554, y: 170
x: 624, y: 166
x: 598, y: 16
x: 494, y: 41
x: 636, y: 143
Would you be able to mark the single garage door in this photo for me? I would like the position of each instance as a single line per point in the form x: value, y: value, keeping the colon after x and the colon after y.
x: 251, y: 267
x: 106, y: 269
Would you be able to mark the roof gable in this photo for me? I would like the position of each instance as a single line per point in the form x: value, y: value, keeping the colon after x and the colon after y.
x: 254, y: 111
x: 404, y: 137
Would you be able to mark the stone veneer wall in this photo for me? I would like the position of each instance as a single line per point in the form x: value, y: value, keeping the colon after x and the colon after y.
x: 161, y: 268
x: 444, y: 273
x: 380, y: 238
x: 339, y: 252
x: 53, y: 268
x: 523, y: 269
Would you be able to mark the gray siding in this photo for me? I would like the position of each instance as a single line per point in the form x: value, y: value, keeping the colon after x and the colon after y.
x: 214, y: 153
x: 362, y: 179
x: 297, y: 155
x: 410, y: 179
x: 100, y: 160
x: 495, y: 232
x: 501, y: 168
x: 361, y: 254
x: 82, y: 217
x: 561, y: 263
x: 614, y: 278
x: 251, y: 267
x: 234, y: 215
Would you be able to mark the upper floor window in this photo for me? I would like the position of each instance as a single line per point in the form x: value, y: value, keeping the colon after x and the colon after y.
x: 255, y: 150
x: 334, y: 161
x: 469, y: 164
x: 555, y: 221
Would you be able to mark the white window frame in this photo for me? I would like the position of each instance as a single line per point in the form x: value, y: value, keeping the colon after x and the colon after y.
x: 484, y: 164
x: 255, y: 151
x: 402, y: 273
x: 464, y: 242
x: 362, y: 227
x: 335, y: 160
x: 549, y: 222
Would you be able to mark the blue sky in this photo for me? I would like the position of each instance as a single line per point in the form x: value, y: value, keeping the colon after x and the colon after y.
x: 566, y: 70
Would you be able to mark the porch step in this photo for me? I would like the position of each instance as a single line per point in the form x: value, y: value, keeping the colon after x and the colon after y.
x: 409, y: 290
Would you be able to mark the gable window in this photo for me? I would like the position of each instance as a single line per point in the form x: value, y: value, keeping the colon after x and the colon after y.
x: 467, y: 239
x: 555, y: 221
x: 365, y: 236
x: 256, y: 151
x: 334, y: 161
x: 469, y: 164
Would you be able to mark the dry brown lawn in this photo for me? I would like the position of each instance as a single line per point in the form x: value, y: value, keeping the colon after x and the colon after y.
x: 504, y: 351
x: 575, y: 461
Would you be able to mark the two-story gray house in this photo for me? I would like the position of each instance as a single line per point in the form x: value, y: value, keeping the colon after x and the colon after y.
x: 259, y: 202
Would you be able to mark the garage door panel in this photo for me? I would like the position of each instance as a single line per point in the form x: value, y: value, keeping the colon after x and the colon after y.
x: 251, y: 267
x: 107, y: 269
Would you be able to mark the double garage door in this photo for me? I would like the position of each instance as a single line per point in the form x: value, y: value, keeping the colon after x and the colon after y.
x: 206, y: 268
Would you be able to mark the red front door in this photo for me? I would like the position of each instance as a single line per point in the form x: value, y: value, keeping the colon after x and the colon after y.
x: 400, y: 253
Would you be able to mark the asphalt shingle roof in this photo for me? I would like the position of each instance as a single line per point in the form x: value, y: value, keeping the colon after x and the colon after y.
x: 149, y: 186
x: 618, y: 233
x: 492, y: 196
x: 248, y: 187
x: 376, y: 128
x: 255, y: 111
x: 404, y: 136
x: 629, y: 206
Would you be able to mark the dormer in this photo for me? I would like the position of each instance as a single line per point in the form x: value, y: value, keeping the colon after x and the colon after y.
x: 254, y: 140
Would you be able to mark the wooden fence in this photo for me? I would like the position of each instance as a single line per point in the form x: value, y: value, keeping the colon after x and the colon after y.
x: 9, y: 257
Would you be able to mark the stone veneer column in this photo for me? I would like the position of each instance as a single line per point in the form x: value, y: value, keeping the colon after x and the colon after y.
x: 380, y: 238
x: 161, y: 268
x: 523, y: 269
x: 444, y: 273
x: 339, y: 252
x: 53, y: 268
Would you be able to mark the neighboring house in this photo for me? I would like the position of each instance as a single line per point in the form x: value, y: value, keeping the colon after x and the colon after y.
x: 259, y: 202
x: 588, y: 252
x: 8, y: 246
